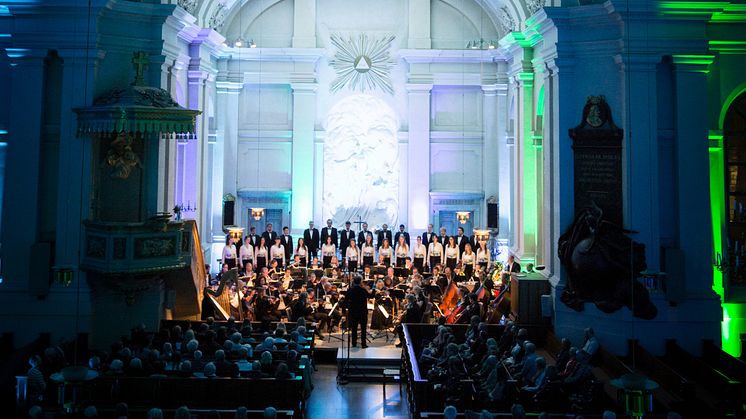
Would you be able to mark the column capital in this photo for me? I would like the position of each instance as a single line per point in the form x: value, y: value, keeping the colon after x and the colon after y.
x: 304, y: 88
x: 419, y: 88
x: 230, y: 87
x: 692, y: 63
x: 490, y: 89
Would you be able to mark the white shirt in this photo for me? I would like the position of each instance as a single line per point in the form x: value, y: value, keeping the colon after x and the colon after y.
x: 351, y: 254
x: 369, y: 250
x: 452, y: 253
x: 386, y: 252
x: 278, y: 252
x: 483, y: 256
x: 419, y: 251
x: 261, y: 252
x: 402, y: 251
x: 468, y: 258
x: 435, y: 250
x: 247, y: 252
x: 229, y: 251
x: 328, y: 250
x: 301, y: 251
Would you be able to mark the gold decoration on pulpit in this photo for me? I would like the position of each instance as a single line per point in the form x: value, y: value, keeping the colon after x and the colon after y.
x: 121, y: 157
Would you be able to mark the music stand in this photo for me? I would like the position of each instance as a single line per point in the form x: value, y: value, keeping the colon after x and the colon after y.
x: 329, y: 335
x: 385, y: 331
x: 378, y: 270
x: 401, y: 272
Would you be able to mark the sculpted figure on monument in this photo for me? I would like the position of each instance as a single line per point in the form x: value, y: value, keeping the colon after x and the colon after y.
x: 603, y: 264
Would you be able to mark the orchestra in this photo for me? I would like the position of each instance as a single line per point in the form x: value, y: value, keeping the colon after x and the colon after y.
x: 409, y: 283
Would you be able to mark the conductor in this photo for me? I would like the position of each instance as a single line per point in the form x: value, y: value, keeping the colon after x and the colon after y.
x: 357, y: 300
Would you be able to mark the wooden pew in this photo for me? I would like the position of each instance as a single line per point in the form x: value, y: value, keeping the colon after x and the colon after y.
x: 207, y: 393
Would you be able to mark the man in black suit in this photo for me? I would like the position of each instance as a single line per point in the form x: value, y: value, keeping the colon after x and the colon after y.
x: 400, y: 233
x: 287, y: 242
x: 253, y: 237
x: 461, y: 240
x: 512, y: 266
x: 443, y: 238
x: 346, y: 236
x: 427, y: 237
x: 329, y: 231
x: 384, y: 233
x: 357, y: 309
x: 362, y: 235
x: 269, y: 236
x: 311, y: 240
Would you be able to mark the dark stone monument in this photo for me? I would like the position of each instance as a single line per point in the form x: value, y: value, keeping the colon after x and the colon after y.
x: 597, y: 147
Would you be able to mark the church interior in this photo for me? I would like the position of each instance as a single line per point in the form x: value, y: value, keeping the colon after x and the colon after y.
x: 528, y: 208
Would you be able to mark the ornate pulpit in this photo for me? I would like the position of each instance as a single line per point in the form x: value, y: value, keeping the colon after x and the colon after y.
x: 140, y: 264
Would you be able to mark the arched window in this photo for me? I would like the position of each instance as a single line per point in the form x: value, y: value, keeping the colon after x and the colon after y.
x: 734, y: 141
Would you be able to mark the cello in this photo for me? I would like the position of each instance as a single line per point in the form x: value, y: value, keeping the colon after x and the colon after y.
x: 450, y: 298
x: 498, y: 306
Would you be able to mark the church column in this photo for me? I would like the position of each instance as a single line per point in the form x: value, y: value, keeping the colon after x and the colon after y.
x: 641, y: 213
x: 503, y: 160
x: 691, y: 131
x: 223, y: 171
x: 304, y: 119
x: 490, y: 168
x: 419, y: 24
x: 167, y: 148
x: 418, y: 155
x: 304, y: 24
x: 22, y: 164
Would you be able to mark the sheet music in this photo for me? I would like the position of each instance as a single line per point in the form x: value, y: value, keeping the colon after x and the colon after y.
x: 383, y: 311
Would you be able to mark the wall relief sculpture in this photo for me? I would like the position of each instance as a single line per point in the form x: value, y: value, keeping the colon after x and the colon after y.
x: 361, y: 162
x: 603, y: 264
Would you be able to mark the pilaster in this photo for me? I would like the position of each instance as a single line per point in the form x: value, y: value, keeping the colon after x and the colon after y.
x: 418, y: 155
x: 304, y: 118
x: 304, y: 24
x: 419, y: 24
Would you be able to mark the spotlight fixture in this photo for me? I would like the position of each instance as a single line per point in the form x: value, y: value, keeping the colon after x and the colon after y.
x: 238, y: 43
x: 252, y: 44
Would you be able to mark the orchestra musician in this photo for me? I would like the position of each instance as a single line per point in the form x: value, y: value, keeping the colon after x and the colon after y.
x: 328, y: 296
x: 390, y: 281
x: 351, y: 256
x: 412, y: 314
x: 311, y: 238
x: 378, y: 319
x: 302, y: 252
x: 346, y: 236
x: 246, y: 253
x: 357, y: 305
x: 435, y: 251
x: 328, y: 251
x: 402, y: 251
x: 261, y: 254
x: 401, y: 233
x: 386, y: 252
x: 367, y: 276
x: 262, y: 280
x: 265, y: 308
x: 468, y: 258
x: 274, y: 269
x: 384, y: 234
x: 328, y: 232
x: 229, y: 252
x: 368, y: 250
x: 419, y: 254
x: 303, y: 308
x: 287, y: 243
x: 452, y: 253
x: 277, y: 253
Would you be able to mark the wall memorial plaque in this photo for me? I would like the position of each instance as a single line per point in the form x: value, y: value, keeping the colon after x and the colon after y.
x: 597, y: 147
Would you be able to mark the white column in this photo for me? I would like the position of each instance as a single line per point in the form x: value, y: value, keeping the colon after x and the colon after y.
x: 419, y: 24
x: 490, y: 168
x: 224, y: 153
x: 504, y: 178
x: 304, y: 118
x: 304, y: 24
x: 418, y: 155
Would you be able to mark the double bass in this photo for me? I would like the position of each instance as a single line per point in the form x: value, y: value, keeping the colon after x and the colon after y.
x: 498, y: 306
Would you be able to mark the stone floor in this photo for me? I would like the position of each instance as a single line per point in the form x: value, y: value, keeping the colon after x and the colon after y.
x: 353, y: 400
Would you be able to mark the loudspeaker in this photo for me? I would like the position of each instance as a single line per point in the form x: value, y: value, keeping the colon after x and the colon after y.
x: 492, y: 216
x: 229, y: 213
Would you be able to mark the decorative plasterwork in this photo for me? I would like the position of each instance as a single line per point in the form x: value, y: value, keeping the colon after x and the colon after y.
x: 218, y: 17
x: 507, y: 23
x: 362, y: 63
x: 189, y: 5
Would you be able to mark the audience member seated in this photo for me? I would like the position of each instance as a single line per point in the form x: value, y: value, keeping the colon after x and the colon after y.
x: 223, y: 367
